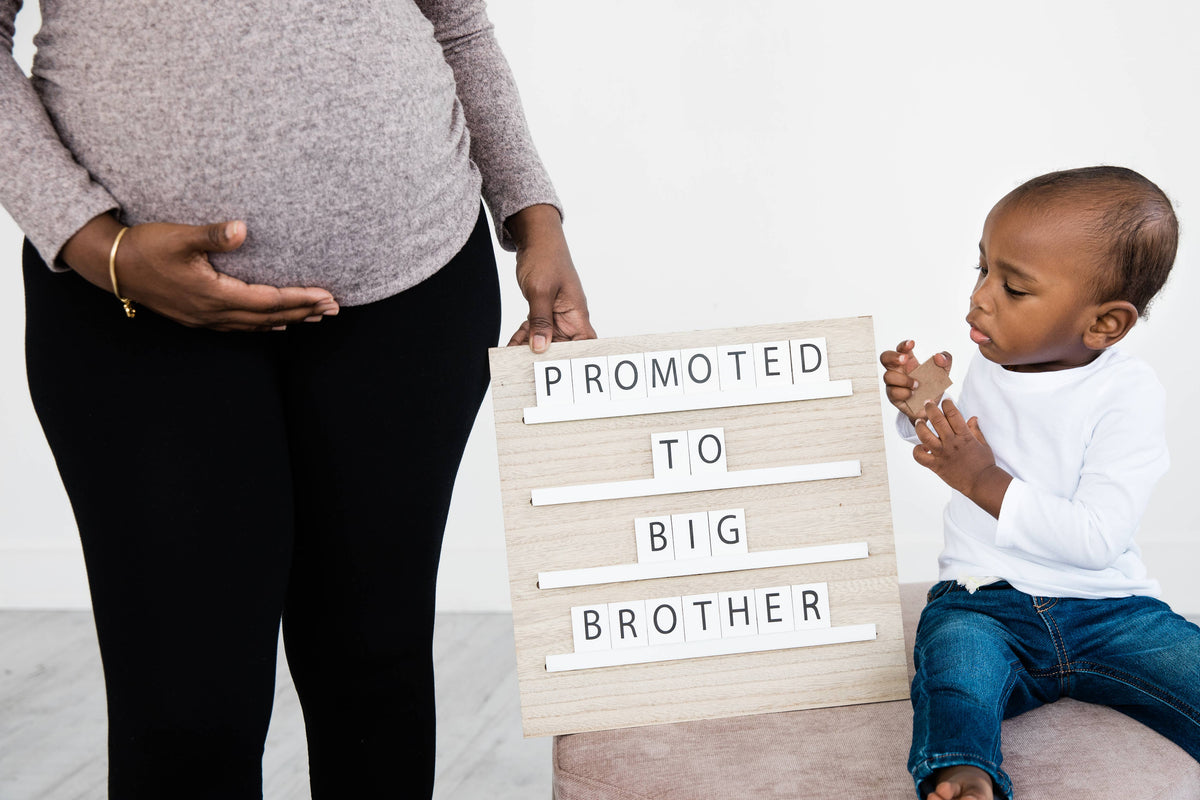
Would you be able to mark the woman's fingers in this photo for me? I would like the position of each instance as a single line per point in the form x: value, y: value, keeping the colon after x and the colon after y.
x: 165, y: 267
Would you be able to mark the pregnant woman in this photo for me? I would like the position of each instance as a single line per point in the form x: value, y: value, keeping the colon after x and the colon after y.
x: 265, y: 422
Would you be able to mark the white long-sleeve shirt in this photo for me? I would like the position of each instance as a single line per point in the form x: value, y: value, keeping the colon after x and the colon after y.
x: 1085, y: 448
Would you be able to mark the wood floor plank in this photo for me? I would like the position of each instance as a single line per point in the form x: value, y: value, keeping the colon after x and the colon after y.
x: 52, y: 714
x: 479, y: 725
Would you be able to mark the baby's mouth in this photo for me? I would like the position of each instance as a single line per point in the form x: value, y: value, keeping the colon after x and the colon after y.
x: 978, y: 336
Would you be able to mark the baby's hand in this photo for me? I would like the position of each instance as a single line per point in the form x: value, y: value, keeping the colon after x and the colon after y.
x: 899, y: 365
x: 956, y: 451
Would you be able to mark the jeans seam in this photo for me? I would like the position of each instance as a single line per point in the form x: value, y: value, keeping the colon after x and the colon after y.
x: 975, y: 758
x: 1060, y: 646
x: 1131, y: 680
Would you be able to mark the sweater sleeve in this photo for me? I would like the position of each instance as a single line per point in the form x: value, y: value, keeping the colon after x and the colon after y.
x: 513, y: 175
x: 1124, y: 458
x: 41, y: 185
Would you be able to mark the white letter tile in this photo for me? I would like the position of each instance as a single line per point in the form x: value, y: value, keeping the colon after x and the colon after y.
x: 627, y: 624
x: 654, y: 540
x: 665, y: 620
x: 707, y: 451
x: 664, y: 374
x: 772, y: 365
x: 774, y: 607
x: 589, y: 626
x: 738, y: 617
x: 728, y: 532
x: 810, y: 605
x: 691, y: 535
x: 736, y: 366
x: 589, y: 378
x: 553, y: 381
x: 701, y: 617
x: 810, y: 360
x: 670, y: 454
x: 627, y: 376
x: 700, y: 373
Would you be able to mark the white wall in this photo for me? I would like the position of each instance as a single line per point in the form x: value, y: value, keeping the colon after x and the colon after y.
x: 738, y: 163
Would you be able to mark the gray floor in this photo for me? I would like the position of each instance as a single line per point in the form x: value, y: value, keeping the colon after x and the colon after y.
x: 52, y: 714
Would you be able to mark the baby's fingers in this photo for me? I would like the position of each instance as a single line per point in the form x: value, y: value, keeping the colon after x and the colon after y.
x: 899, y: 385
x: 954, y: 417
x: 973, y: 424
x: 937, y: 419
x: 929, y: 439
x: 923, y: 456
x: 899, y: 359
x: 891, y: 359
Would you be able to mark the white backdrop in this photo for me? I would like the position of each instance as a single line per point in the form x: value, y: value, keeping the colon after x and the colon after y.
x: 730, y: 164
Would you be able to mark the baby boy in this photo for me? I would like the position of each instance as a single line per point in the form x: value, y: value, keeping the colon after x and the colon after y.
x: 1052, y: 452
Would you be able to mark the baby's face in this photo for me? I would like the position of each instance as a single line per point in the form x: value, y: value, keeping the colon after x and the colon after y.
x: 1034, y: 296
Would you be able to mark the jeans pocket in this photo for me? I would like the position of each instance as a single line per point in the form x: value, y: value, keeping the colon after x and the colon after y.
x: 938, y: 589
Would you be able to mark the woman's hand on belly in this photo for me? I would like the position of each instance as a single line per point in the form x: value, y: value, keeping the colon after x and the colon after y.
x: 164, y: 267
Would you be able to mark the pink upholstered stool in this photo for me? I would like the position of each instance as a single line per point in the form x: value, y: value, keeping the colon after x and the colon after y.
x: 1067, y: 749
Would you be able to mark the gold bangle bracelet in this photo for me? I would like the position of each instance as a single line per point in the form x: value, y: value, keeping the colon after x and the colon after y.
x: 130, y: 311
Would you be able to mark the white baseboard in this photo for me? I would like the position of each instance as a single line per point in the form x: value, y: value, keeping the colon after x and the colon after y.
x: 43, y: 578
x: 474, y: 580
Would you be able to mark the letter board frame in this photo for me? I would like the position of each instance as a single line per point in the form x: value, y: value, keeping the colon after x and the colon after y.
x: 809, y: 516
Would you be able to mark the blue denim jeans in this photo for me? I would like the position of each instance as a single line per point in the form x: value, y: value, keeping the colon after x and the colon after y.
x: 997, y: 653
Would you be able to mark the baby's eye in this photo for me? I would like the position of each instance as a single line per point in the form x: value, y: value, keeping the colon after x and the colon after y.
x: 1014, y: 292
x: 982, y: 268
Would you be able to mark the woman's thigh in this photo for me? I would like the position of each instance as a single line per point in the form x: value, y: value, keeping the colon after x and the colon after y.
x: 172, y: 448
x: 381, y: 400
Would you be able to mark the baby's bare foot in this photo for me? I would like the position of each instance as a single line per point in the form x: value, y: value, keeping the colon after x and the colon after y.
x: 961, y: 782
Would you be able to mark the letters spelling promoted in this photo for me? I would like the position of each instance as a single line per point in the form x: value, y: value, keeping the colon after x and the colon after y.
x: 726, y: 368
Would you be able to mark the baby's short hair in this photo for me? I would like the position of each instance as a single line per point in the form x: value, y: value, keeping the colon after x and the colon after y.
x: 1133, y: 223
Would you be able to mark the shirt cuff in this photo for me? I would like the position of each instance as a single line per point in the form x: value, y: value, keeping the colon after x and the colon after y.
x: 906, y: 429
x: 1008, y: 528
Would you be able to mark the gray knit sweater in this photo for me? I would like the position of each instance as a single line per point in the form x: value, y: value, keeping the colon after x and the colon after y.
x: 338, y: 130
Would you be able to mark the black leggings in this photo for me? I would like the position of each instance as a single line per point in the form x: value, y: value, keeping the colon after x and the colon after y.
x: 223, y: 481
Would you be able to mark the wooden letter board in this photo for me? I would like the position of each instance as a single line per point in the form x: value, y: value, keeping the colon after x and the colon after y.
x: 808, y: 475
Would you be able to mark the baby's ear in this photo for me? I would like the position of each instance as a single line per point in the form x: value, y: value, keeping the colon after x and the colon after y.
x: 1113, y: 320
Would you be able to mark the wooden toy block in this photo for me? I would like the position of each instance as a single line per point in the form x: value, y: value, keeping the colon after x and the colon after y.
x: 932, y: 382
